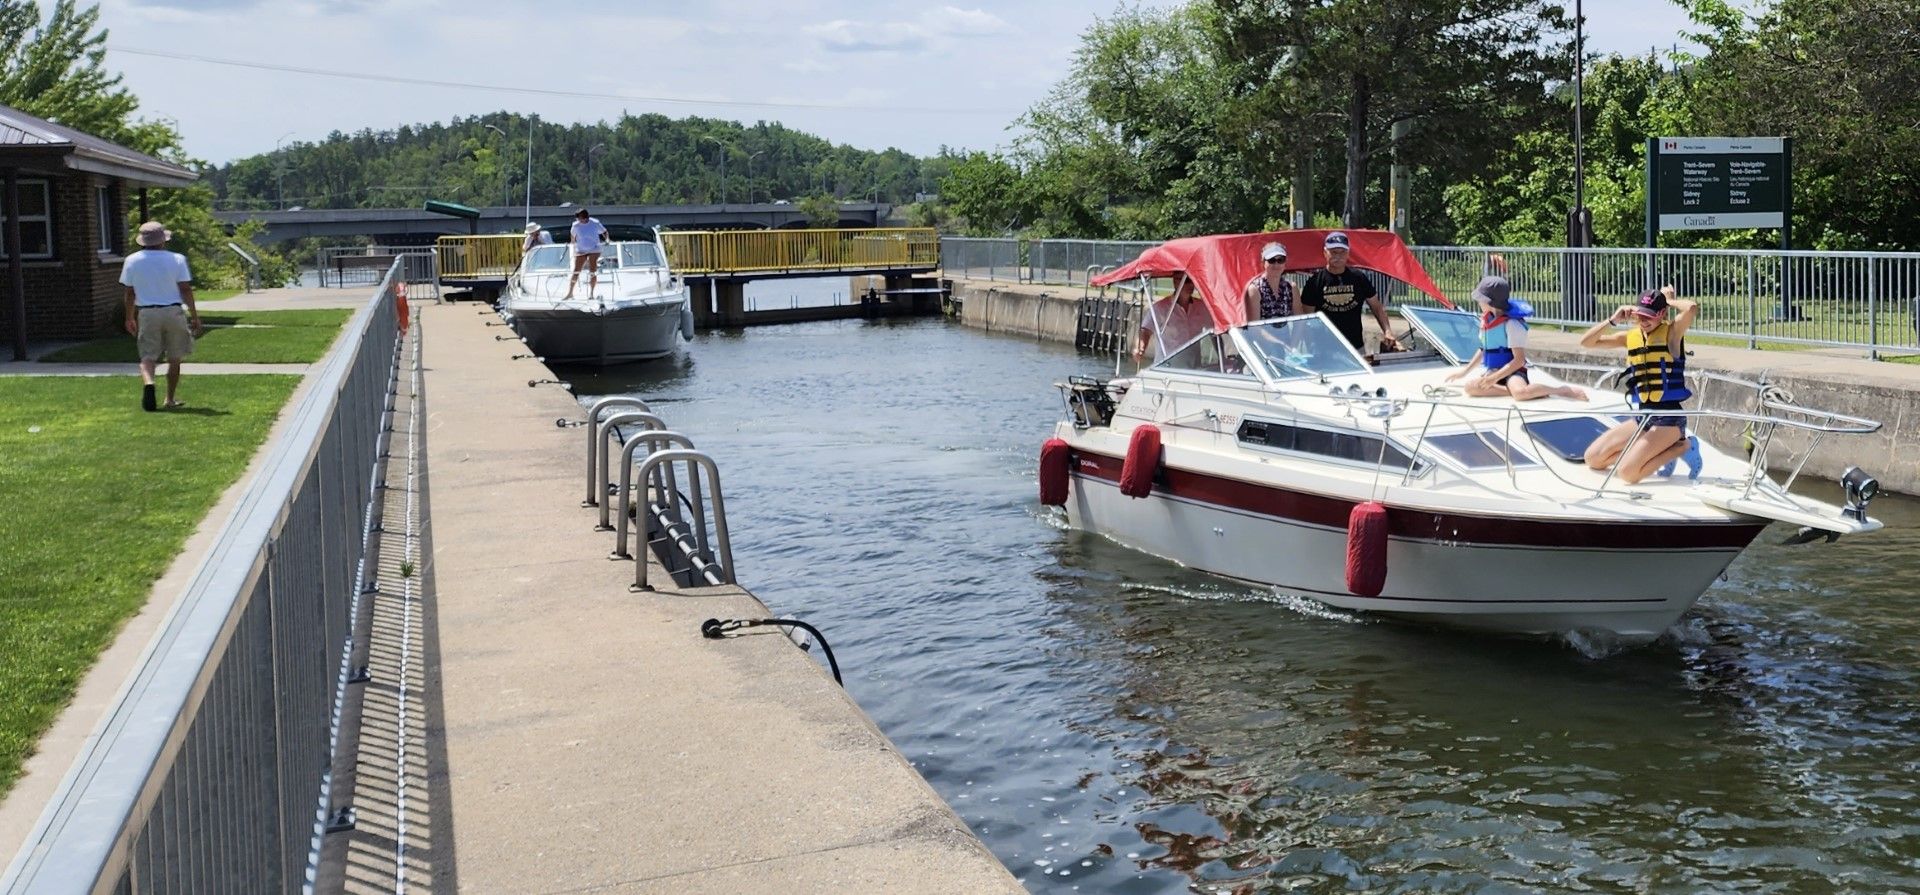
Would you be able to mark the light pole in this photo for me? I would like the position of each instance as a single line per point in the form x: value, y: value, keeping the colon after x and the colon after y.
x: 529, y: 215
x: 596, y: 148
x: 280, y: 173
x: 505, y: 193
x: 750, y: 159
x: 723, y: 165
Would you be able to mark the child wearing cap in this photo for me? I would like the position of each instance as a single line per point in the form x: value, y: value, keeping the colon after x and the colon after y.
x: 1269, y: 295
x: 1501, y: 358
x: 1657, y: 368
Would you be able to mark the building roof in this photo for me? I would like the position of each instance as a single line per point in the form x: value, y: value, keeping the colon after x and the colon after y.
x: 27, y: 140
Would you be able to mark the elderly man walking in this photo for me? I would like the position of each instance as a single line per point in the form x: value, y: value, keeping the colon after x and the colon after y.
x: 160, y: 310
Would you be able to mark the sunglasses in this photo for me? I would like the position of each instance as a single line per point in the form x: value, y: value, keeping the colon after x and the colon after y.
x: 1276, y: 260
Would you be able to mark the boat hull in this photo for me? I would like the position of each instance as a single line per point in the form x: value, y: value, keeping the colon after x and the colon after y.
x: 620, y: 335
x: 1632, y: 580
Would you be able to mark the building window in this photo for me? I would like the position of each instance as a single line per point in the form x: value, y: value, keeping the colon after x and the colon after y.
x: 36, y: 221
x: 108, y: 225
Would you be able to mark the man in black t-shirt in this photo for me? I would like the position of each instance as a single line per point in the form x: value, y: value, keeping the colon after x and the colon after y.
x: 1338, y: 291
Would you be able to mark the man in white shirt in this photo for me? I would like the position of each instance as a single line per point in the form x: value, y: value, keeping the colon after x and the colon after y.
x: 160, y: 309
x: 588, y: 233
x: 1172, y: 322
x: 536, y: 237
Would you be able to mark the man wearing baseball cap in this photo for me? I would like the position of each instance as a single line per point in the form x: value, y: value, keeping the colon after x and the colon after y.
x: 1338, y: 291
x: 1270, y: 294
x: 160, y: 311
x: 1657, y: 365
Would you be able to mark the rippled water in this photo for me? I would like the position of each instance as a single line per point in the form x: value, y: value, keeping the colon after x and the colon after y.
x: 1109, y: 722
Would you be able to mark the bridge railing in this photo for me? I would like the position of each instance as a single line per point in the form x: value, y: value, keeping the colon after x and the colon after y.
x: 475, y: 258
x: 702, y: 252
x: 210, y: 773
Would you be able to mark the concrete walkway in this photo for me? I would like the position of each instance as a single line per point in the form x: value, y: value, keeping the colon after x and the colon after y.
x: 595, y: 742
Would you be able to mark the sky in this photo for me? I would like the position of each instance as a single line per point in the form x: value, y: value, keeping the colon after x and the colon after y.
x: 870, y: 74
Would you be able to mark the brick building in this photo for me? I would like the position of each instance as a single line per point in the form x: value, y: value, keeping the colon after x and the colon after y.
x: 69, y: 193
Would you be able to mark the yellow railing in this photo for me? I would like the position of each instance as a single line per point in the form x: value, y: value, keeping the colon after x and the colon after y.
x: 751, y: 251
x: 478, y: 257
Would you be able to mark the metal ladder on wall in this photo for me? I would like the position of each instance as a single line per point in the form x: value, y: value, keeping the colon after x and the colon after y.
x: 669, y: 487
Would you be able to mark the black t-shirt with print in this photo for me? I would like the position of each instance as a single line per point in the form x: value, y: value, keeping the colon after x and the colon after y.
x: 1341, y: 296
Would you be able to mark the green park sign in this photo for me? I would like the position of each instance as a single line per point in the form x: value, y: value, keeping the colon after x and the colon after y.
x: 1718, y: 183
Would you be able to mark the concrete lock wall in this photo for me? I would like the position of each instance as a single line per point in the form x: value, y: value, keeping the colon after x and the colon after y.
x: 1889, y: 393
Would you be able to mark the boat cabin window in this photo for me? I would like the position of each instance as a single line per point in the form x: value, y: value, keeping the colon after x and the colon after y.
x: 1479, y: 450
x: 548, y: 258
x: 1351, y: 447
x: 1455, y: 333
x: 639, y: 254
x: 1210, y: 353
x: 1568, y: 436
x: 1302, y: 348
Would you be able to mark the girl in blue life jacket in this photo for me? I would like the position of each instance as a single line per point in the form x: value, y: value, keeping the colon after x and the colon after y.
x: 1501, y: 360
x: 1657, y: 359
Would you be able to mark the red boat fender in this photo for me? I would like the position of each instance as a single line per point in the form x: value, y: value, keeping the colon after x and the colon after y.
x: 1367, y: 549
x: 1143, y: 461
x: 1054, y: 457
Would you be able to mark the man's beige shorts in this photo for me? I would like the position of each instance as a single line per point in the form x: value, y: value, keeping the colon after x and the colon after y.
x: 164, y: 334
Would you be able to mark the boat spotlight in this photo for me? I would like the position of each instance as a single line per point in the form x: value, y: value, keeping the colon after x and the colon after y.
x: 1860, y: 489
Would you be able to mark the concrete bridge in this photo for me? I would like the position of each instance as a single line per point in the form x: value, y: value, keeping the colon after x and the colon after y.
x: 414, y: 226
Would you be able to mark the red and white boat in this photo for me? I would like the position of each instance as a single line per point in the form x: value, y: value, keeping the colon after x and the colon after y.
x: 1273, y: 452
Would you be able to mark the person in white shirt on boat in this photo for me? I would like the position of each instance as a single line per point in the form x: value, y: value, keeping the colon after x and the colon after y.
x: 1172, y: 322
x: 537, y: 236
x: 1501, y: 359
x: 588, y: 234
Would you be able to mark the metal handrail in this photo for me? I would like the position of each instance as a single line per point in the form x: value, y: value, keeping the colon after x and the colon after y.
x: 478, y: 257
x: 651, y: 439
x: 702, y: 252
x: 608, y: 429
x: 699, y: 557
x: 593, y: 442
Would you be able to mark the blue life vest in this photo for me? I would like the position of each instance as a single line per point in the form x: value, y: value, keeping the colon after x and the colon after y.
x: 1496, y: 353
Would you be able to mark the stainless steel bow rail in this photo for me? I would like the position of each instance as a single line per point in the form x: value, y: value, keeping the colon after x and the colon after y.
x: 210, y: 772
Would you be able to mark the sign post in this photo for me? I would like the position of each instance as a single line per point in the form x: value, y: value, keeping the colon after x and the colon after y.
x: 1722, y: 183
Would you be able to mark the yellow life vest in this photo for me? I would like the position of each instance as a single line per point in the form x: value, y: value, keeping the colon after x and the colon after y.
x: 1656, y: 372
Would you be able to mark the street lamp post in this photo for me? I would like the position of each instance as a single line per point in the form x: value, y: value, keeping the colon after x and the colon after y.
x: 280, y: 173
x: 506, y: 194
x: 750, y: 159
x: 596, y: 148
x: 723, y: 165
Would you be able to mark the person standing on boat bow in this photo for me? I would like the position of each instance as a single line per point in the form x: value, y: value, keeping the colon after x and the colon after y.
x: 537, y: 236
x: 1502, y: 356
x: 1172, y: 322
x: 1270, y: 295
x: 1338, y: 291
x: 588, y: 233
x: 1657, y: 370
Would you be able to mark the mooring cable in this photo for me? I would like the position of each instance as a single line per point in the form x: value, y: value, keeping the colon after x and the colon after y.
x: 716, y: 629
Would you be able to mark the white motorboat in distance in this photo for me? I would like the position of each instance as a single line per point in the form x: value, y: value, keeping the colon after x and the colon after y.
x: 639, y: 310
x: 1266, y: 437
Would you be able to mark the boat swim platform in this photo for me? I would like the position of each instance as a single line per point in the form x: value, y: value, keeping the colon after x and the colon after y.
x: 593, y: 740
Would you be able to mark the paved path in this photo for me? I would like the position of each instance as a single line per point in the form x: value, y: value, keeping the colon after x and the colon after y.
x: 594, y: 740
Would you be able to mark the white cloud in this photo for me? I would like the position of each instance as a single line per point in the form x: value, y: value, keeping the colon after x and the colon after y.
x: 935, y: 26
x: 964, y: 22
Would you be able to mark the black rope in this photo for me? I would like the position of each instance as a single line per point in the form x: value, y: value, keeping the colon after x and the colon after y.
x: 716, y: 629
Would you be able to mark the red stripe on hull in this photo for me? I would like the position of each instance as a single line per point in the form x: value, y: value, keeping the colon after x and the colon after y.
x: 1431, y: 525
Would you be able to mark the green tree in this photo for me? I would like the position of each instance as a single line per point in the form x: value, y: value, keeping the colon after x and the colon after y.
x: 821, y: 209
x: 985, y: 191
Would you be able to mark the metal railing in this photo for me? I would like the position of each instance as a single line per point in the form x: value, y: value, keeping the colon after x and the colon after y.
x: 684, y: 525
x: 1071, y: 261
x: 699, y: 252
x: 211, y: 772
x: 983, y: 258
x: 486, y: 258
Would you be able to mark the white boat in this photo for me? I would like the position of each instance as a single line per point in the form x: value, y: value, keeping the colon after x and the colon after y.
x: 638, y: 311
x: 1271, y: 434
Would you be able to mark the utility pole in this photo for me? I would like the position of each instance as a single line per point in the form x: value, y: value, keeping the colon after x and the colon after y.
x: 1400, y: 181
x: 506, y: 193
x: 529, y: 214
x: 280, y: 173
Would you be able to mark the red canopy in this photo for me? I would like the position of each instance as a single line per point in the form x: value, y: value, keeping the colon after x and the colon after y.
x: 1222, y: 265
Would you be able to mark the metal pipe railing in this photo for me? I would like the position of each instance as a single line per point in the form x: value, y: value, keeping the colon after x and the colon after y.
x: 663, y: 481
x: 596, y: 488
x: 721, y: 543
x: 608, y: 429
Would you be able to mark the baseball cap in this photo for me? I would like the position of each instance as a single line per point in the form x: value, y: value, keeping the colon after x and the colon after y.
x: 153, y: 235
x: 1336, y: 240
x: 581, y: 213
x: 1273, y: 250
x: 1495, y: 291
x: 1651, y: 304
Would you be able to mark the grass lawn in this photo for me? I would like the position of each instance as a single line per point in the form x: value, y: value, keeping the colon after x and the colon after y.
x: 200, y: 295
x: 232, y: 337
x: 99, y: 500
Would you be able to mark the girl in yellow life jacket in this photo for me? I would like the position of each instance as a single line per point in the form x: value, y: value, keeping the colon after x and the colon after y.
x: 1657, y: 359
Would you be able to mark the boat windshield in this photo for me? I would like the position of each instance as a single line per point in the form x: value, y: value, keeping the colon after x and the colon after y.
x: 546, y: 259
x: 1302, y: 348
x: 1455, y: 333
x: 639, y: 254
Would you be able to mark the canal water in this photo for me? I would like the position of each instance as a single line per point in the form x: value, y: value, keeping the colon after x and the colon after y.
x: 1110, y: 722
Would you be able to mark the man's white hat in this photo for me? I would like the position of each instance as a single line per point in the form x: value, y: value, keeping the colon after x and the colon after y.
x: 533, y: 227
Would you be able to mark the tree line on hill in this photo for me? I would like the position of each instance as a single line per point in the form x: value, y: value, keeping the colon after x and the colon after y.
x: 1198, y: 118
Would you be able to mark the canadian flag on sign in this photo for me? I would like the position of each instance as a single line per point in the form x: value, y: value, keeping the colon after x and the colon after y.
x: 1672, y: 145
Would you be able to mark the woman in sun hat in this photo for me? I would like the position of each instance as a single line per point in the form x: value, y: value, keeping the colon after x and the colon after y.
x: 1657, y: 370
x: 536, y: 237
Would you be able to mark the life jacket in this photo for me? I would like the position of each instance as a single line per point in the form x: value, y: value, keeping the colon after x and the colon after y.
x: 1495, y: 352
x: 1655, y: 372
